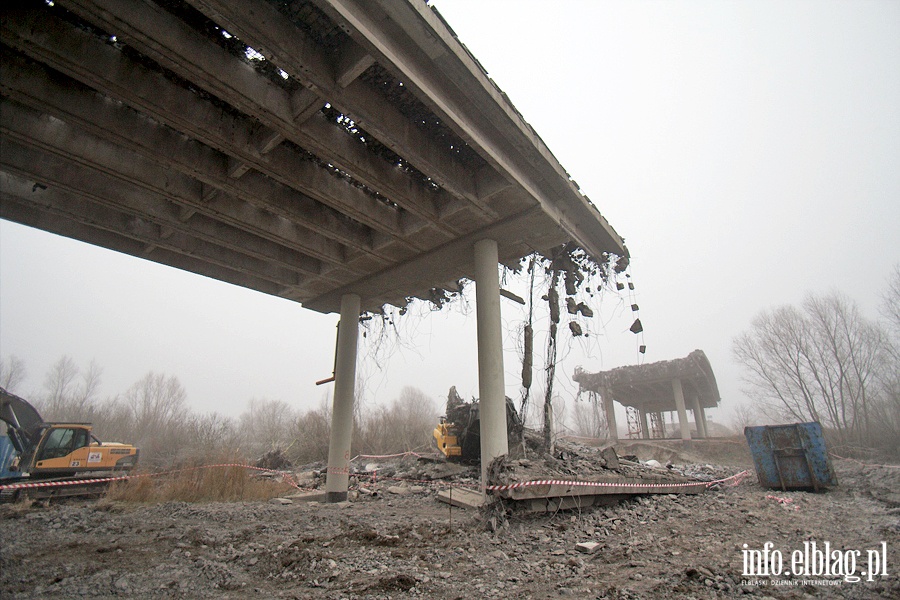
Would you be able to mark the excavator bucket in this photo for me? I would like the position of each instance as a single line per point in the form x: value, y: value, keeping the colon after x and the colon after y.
x: 22, y: 419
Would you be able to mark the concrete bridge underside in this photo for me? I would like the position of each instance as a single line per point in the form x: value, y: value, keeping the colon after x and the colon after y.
x: 344, y: 154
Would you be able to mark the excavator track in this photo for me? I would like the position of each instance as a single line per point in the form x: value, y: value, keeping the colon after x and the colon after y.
x: 25, y: 489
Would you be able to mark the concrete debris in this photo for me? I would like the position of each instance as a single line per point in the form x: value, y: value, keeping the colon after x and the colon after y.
x: 461, y: 497
x: 668, y: 547
x: 587, y: 547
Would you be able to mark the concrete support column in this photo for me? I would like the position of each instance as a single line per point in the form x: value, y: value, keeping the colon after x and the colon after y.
x: 703, y: 422
x: 645, y: 429
x: 701, y: 430
x: 491, y: 387
x: 338, y: 474
x: 682, y: 411
x: 610, y: 408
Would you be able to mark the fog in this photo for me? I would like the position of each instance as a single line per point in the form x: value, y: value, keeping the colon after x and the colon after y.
x: 747, y: 151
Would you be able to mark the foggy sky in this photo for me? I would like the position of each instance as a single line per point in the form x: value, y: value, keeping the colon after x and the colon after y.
x: 749, y: 153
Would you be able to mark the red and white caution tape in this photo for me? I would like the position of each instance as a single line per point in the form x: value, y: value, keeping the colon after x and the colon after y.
x: 44, y: 484
x: 736, y: 479
x: 400, y: 455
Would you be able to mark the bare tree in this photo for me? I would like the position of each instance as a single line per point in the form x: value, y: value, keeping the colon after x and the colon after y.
x: 268, y: 425
x: 312, y: 431
x: 160, y: 418
x: 821, y: 362
x: 213, y: 435
x: 886, y: 409
x: 12, y: 372
x: 70, y: 394
x: 890, y: 306
x: 405, y: 425
x: 588, y: 419
x: 744, y: 416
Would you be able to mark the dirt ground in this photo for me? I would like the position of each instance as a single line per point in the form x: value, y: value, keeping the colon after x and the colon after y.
x: 409, y: 545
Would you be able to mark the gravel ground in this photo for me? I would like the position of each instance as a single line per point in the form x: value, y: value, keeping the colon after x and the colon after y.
x: 409, y: 545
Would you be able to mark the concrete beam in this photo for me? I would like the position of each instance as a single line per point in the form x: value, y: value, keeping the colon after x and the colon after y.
x: 49, y: 39
x: 28, y: 127
x: 81, y: 194
x: 350, y: 63
x: 66, y: 207
x: 16, y: 212
x: 327, y: 228
x: 448, y: 262
x: 260, y: 25
x: 434, y: 64
x: 170, y: 42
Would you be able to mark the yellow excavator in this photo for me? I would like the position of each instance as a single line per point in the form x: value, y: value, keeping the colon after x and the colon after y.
x: 63, y: 450
x: 458, y: 433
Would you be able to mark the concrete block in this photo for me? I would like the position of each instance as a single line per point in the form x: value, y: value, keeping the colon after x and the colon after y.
x: 313, y: 496
x: 587, y: 547
x: 462, y: 498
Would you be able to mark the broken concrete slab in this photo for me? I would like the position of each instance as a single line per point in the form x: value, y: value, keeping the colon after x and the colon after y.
x: 281, y: 501
x: 313, y: 496
x: 587, y: 547
x: 462, y: 498
x: 610, y: 457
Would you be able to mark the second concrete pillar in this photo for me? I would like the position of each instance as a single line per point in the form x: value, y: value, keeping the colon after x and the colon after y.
x: 338, y: 474
x: 491, y: 386
x: 682, y: 410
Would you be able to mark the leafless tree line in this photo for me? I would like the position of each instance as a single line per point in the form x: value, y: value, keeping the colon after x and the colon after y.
x: 825, y: 361
x: 154, y: 415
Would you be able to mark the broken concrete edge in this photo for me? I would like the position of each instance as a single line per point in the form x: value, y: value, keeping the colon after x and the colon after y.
x: 314, y: 496
x: 464, y: 498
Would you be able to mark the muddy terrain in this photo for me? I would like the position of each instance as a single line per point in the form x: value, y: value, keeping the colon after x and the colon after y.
x: 401, y: 542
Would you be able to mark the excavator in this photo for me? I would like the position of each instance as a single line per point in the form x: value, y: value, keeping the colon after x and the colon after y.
x: 458, y: 433
x: 55, y: 451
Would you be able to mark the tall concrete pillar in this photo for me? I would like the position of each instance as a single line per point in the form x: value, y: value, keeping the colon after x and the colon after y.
x: 491, y: 388
x: 701, y: 430
x: 338, y: 474
x: 703, y: 422
x: 610, y: 407
x: 682, y: 411
x: 645, y: 430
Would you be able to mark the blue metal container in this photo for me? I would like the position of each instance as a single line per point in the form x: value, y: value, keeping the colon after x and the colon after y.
x: 791, y: 457
x: 7, y: 453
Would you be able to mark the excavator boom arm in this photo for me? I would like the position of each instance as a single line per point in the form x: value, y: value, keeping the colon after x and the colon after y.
x: 23, y: 420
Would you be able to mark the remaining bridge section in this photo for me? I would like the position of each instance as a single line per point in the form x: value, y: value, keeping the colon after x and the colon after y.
x: 345, y: 154
x: 679, y: 385
x: 304, y: 149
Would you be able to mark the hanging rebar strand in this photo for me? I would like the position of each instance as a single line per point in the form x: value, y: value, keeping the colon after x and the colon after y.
x: 528, y: 342
x: 553, y: 301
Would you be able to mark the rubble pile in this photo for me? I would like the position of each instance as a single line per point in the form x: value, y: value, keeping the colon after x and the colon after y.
x: 572, y: 461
